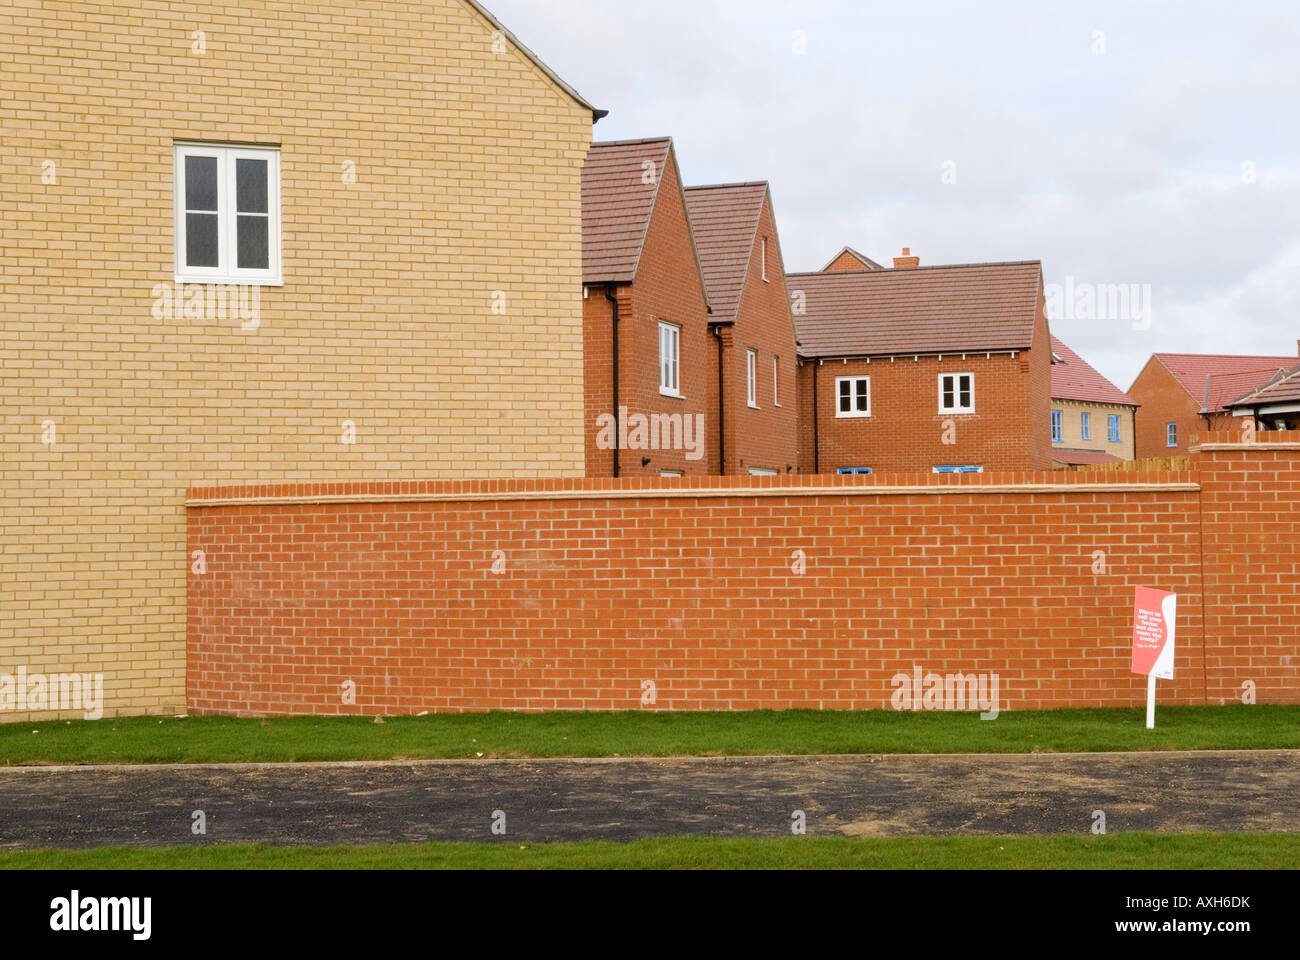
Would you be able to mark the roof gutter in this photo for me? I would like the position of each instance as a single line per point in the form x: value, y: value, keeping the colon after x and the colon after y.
x: 715, y: 327
x: 613, y: 316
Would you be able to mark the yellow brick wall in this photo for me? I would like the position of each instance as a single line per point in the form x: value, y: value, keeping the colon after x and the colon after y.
x: 467, y: 160
x: 1072, y: 427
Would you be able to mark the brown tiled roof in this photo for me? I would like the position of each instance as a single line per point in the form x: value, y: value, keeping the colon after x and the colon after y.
x: 616, y: 206
x: 725, y: 222
x: 1283, y: 389
x: 1074, y: 379
x: 867, y: 262
x: 965, y: 308
x: 1230, y: 377
x: 1081, y: 457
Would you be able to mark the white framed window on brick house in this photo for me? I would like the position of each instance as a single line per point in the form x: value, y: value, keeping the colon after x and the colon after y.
x: 776, y: 381
x: 764, y: 254
x: 956, y: 393
x: 751, y: 377
x: 670, y: 344
x: 852, y: 396
x: 227, y: 220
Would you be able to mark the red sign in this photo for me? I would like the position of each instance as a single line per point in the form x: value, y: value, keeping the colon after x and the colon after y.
x: 1153, y: 632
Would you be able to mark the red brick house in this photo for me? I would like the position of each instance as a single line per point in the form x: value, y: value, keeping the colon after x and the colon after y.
x: 1181, y: 395
x: 1276, y: 405
x: 753, y: 399
x: 649, y: 361
x: 920, y: 369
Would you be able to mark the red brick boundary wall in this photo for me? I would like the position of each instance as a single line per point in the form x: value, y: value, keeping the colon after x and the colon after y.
x: 738, y: 593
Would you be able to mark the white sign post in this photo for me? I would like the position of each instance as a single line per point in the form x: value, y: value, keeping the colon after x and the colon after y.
x: 1154, y: 614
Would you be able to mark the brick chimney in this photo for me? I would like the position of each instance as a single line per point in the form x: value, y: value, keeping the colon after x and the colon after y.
x: 906, y: 261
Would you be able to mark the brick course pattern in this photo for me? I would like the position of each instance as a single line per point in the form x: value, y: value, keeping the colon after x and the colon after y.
x: 467, y: 159
x: 738, y: 593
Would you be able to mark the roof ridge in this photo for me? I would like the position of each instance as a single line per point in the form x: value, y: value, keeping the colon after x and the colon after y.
x: 721, y: 186
x: 906, y: 270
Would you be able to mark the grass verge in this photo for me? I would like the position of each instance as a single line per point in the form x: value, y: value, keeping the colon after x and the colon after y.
x: 226, y: 739
x: 1123, y: 851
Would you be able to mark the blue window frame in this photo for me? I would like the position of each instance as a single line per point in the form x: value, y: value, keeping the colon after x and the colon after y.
x: 1085, y: 425
x: 843, y: 471
x: 1171, y: 435
x: 1057, y: 433
x: 1112, y: 428
x: 978, y: 468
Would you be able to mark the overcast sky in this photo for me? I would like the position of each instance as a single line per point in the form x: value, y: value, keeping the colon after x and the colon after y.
x: 1138, y: 142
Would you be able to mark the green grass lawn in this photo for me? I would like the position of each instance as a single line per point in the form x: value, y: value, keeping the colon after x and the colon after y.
x: 1122, y: 851
x: 225, y: 739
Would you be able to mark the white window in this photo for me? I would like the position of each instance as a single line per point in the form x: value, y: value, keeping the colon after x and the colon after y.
x: 776, y: 381
x: 956, y: 393
x: 227, y: 214
x: 670, y: 338
x: 762, y: 472
x: 751, y: 376
x: 671, y: 473
x: 853, y: 396
x: 969, y: 468
x: 764, y: 254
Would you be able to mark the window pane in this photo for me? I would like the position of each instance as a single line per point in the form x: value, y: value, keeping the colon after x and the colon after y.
x: 201, y: 239
x: 965, y: 398
x: 200, y: 183
x: 250, y: 186
x: 862, y: 396
x: 253, y: 243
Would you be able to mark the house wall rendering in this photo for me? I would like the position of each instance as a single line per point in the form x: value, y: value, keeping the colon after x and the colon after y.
x: 428, y: 322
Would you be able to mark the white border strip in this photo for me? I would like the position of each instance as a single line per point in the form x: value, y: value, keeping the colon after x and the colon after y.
x: 704, y: 493
x: 1266, y: 445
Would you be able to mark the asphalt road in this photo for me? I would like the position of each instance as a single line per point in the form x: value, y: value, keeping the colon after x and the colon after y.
x: 622, y: 799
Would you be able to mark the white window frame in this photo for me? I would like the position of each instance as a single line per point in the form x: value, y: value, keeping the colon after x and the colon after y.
x: 956, y: 393
x: 1171, y: 432
x: 763, y: 472
x: 776, y: 381
x: 671, y: 474
x: 670, y: 363
x: 1116, y: 435
x: 960, y: 468
x: 1058, y: 426
x: 751, y: 377
x: 765, y: 280
x: 226, y: 155
x: 1085, y: 424
x: 854, y: 413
